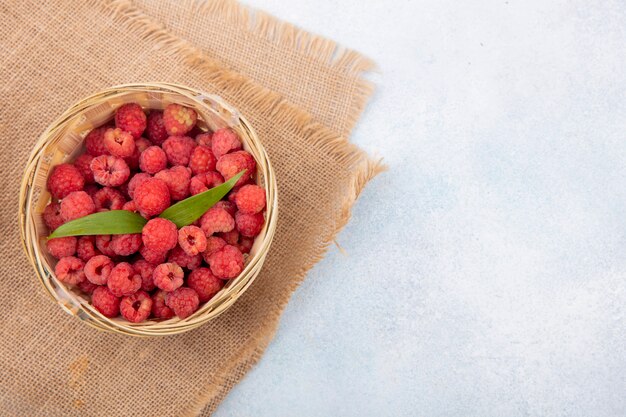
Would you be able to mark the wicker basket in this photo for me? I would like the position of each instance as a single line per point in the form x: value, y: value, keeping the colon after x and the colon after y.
x: 63, y: 141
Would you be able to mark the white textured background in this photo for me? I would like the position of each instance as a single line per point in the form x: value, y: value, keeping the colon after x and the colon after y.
x: 486, y: 270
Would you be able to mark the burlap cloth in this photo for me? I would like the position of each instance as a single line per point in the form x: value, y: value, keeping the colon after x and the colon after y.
x: 302, y: 95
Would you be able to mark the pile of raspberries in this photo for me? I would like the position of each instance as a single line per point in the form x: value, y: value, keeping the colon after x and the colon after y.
x: 144, y: 163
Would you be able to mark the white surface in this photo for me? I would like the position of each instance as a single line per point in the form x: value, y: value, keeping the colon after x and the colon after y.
x: 486, y: 270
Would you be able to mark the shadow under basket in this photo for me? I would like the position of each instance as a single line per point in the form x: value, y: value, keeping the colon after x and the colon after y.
x: 63, y: 141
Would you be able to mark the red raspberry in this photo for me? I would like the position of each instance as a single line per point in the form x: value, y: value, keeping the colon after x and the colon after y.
x: 168, y: 276
x: 109, y: 198
x: 156, y: 129
x: 94, y: 142
x: 245, y: 244
x: 137, y: 307
x: 153, y: 160
x: 135, y: 181
x: 52, y: 215
x: 131, y: 118
x: 62, y: 246
x: 130, y: 206
x: 87, y: 287
x: 202, y: 160
x: 192, y: 240
x: 145, y: 269
x: 249, y: 225
x: 98, y: 269
x: 232, y: 163
x: 64, y: 179
x: 82, y: 163
x: 141, y: 145
x: 213, y: 244
x: 227, y: 262
x: 182, y: 259
x: 178, y: 149
x: 179, y: 120
x: 224, y: 141
x: 250, y: 199
x: 123, y: 280
x: 159, y: 235
x: 77, y: 204
x: 230, y: 207
x: 231, y: 237
x: 152, y: 256
x: 110, y: 170
x: 119, y: 142
x: 70, y: 270
x: 177, y: 179
x: 86, y: 248
x: 204, y: 283
x: 184, y: 302
x: 203, y: 182
x: 204, y: 139
x: 159, y: 309
x: 105, y: 302
x: 216, y: 220
x: 103, y: 243
x: 152, y: 197
x: 125, y: 245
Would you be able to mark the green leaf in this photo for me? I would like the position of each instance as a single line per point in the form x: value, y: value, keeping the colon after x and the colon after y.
x: 191, y: 209
x: 114, y: 222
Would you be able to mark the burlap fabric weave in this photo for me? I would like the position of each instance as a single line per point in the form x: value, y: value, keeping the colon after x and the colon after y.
x: 56, y: 52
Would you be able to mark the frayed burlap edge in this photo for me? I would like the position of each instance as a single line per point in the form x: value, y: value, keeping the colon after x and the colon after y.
x: 364, y: 168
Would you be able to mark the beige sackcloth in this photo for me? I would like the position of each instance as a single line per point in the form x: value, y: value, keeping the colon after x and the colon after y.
x: 302, y: 94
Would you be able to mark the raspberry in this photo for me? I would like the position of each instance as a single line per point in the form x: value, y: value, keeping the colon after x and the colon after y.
x: 123, y: 280
x: 152, y: 197
x: 110, y: 170
x: 250, y: 199
x: 130, y: 206
x: 230, y: 207
x: 141, y: 145
x: 70, y: 270
x: 159, y: 309
x: 119, y: 143
x: 231, y: 237
x: 249, y: 225
x: 154, y: 257
x: 77, y: 204
x: 179, y: 120
x: 202, y: 160
x: 144, y: 269
x: 87, y: 287
x: 125, y: 245
x: 168, y: 276
x: 86, y: 248
x: 105, y: 302
x: 224, y: 141
x: 230, y: 164
x: 135, y: 181
x: 137, y: 307
x: 62, y: 246
x: 109, y: 198
x: 156, y: 129
x: 82, y: 163
x: 203, y: 282
x: 131, y: 118
x: 204, y: 139
x: 203, y: 182
x: 52, y: 215
x: 227, y: 262
x: 178, y: 149
x: 159, y: 235
x: 192, y: 240
x: 103, y: 243
x: 213, y: 244
x: 184, y: 302
x: 98, y: 269
x: 177, y: 179
x: 94, y: 142
x: 153, y: 160
x: 245, y: 244
x: 216, y: 220
x: 64, y: 179
x: 182, y: 259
